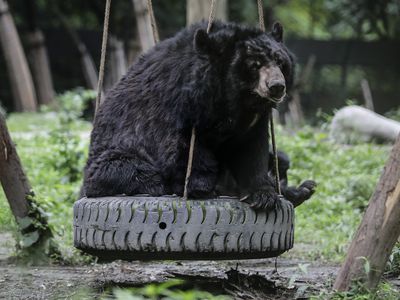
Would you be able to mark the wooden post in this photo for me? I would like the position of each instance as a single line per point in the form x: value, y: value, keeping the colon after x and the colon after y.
x: 39, y: 61
x: 369, y: 103
x: 197, y: 10
x: 144, y: 24
x: 133, y: 51
x: 295, y: 115
x: 88, y: 66
x: 20, y: 77
x: 116, y: 63
x: 378, y: 232
x: 18, y: 191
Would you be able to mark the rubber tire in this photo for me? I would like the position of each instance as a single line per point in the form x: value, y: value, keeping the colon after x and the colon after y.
x: 143, y: 227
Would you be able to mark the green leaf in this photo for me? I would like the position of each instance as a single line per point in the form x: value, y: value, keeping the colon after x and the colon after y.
x: 29, y: 239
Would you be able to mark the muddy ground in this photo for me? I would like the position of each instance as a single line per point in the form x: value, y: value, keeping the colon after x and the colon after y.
x: 250, y: 279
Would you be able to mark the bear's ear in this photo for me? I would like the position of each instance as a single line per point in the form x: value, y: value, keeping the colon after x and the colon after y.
x: 202, y: 42
x: 277, y: 32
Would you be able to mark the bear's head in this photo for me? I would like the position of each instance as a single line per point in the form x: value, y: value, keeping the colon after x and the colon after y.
x: 251, y: 62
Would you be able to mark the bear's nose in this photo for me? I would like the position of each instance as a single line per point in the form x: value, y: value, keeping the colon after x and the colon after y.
x: 276, y: 89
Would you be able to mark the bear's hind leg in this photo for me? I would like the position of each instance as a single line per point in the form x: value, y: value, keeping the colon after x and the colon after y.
x: 121, y: 176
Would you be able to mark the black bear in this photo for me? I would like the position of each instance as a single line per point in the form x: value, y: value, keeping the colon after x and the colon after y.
x: 223, y: 83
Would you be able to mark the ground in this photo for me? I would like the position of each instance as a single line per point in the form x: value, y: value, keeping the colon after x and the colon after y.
x: 283, y: 278
x: 292, y: 277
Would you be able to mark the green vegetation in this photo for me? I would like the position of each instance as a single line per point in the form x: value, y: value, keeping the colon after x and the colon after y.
x: 53, y: 148
x: 168, y: 290
x: 346, y: 177
x: 384, y: 292
x: 53, y: 152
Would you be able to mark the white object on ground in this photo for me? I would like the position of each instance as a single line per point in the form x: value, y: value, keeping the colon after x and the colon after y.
x: 358, y: 123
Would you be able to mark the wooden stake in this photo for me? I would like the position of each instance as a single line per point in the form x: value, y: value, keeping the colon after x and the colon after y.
x: 378, y: 232
x: 369, y: 103
x: 88, y: 66
x: 20, y: 77
x: 199, y: 10
x: 39, y: 61
x: 18, y: 191
x: 143, y: 19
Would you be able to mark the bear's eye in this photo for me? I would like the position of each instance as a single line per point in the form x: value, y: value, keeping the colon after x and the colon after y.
x: 256, y: 64
x: 278, y: 60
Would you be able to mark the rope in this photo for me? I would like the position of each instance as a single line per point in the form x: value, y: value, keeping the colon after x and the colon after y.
x: 211, y: 16
x: 153, y: 23
x: 276, y: 165
x: 261, y: 14
x: 193, y: 136
x: 103, y: 55
x: 190, y: 163
x: 271, y: 118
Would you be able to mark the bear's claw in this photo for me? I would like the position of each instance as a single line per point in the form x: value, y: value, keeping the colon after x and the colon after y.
x: 262, y: 199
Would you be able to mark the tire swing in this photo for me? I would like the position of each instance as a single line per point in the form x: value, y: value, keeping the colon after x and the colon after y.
x: 172, y: 227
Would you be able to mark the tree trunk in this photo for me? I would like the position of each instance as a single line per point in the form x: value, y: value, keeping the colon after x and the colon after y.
x: 295, y: 116
x: 198, y: 10
x: 116, y: 63
x: 378, y: 232
x: 134, y: 49
x: 88, y: 66
x: 20, y: 77
x: 144, y: 24
x: 18, y: 191
x: 40, y: 64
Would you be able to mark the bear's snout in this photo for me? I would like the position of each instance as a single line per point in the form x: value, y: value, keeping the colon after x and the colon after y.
x: 271, y: 84
x: 277, y: 89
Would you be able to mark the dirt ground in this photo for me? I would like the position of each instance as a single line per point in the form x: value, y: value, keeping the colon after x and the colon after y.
x: 249, y: 279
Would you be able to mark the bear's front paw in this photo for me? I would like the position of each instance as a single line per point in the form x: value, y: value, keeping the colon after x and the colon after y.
x: 262, y: 199
x: 307, y: 188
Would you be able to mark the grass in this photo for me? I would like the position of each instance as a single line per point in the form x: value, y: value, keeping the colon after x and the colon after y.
x: 39, y: 122
x: 53, y: 153
x: 346, y: 177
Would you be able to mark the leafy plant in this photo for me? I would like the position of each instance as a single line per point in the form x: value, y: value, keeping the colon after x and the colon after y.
x: 165, y: 291
x: 385, y: 291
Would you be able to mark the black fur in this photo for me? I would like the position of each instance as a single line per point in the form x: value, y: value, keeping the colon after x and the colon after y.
x: 141, y: 134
